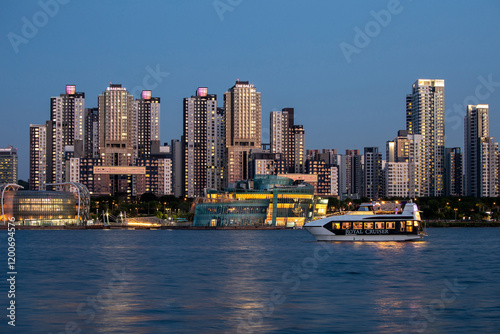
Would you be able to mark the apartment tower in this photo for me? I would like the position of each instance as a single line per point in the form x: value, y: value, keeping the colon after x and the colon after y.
x: 8, y: 165
x: 117, y: 135
x: 38, y: 156
x: 373, y: 181
x: 425, y: 117
x: 288, y: 139
x: 67, y: 112
x: 243, y: 128
x: 147, y: 121
x: 454, y: 171
x: 481, y: 157
x: 200, y: 113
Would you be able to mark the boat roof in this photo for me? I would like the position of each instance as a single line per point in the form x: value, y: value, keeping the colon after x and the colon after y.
x: 410, y: 212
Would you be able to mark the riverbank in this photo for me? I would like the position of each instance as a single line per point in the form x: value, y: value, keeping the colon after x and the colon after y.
x: 439, y: 223
x: 125, y: 227
x: 435, y: 223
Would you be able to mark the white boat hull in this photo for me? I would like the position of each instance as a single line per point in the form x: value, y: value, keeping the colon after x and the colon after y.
x: 322, y: 234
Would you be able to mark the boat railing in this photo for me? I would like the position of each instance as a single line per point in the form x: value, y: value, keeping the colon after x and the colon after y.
x: 378, y: 212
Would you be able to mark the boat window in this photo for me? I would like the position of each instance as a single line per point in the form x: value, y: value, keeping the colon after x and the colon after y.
x: 409, y: 222
x: 368, y: 226
x: 357, y: 225
x: 417, y: 215
x: 336, y: 226
x: 402, y: 226
x: 390, y: 225
x: 415, y: 224
x: 409, y: 228
x: 346, y: 226
x: 379, y: 225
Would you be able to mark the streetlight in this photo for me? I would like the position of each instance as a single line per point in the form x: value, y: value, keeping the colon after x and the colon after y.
x: 456, y: 209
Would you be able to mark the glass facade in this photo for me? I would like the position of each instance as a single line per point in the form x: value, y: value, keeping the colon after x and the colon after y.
x: 237, y: 213
x: 286, y: 204
x: 38, y: 208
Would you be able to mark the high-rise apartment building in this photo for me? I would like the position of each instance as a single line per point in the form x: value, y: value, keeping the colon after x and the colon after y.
x: 373, y: 180
x: 279, y: 125
x: 415, y: 162
x: 158, y: 177
x: 67, y: 116
x: 425, y: 117
x: 38, y: 156
x: 334, y: 180
x: 95, y: 183
x: 243, y: 128
x: 199, y: 141
x: 116, y: 126
x: 397, y: 179
x: 481, y: 154
x: 262, y: 162
x: 299, y: 140
x: 147, y: 120
x: 313, y: 154
x: 216, y: 149
x: 329, y: 156
x: 8, y: 165
x: 117, y: 135
x: 398, y: 150
x: 353, y: 174
x: 318, y: 167
x: 91, y: 138
x: 453, y: 171
x: 488, y: 167
x: 288, y: 139
x: 177, y: 167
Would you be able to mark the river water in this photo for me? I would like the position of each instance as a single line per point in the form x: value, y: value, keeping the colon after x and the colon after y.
x: 282, y: 281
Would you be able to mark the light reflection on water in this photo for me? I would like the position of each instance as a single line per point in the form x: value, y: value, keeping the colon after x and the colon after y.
x: 222, y: 281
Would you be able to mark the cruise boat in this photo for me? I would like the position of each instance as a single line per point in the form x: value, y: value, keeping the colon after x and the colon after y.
x: 370, y: 223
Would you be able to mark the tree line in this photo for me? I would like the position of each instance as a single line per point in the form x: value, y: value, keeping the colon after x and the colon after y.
x: 439, y: 208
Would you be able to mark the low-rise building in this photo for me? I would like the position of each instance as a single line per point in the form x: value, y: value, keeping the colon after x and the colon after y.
x: 273, y: 201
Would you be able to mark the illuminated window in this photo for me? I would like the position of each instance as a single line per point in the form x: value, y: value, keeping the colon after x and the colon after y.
x: 357, y: 225
x: 390, y: 225
x: 346, y: 226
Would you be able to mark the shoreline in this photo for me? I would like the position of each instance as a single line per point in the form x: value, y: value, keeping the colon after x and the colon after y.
x: 131, y: 228
x: 438, y: 224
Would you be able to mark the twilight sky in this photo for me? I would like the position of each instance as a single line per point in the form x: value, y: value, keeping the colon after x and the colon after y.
x: 345, y: 66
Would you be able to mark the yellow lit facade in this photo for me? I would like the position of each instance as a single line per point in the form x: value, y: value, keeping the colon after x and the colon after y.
x: 287, y: 205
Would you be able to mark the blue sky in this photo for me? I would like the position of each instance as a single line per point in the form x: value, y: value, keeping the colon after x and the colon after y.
x: 291, y: 50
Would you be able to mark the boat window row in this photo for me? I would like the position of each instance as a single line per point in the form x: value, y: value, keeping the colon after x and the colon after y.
x: 374, y: 225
